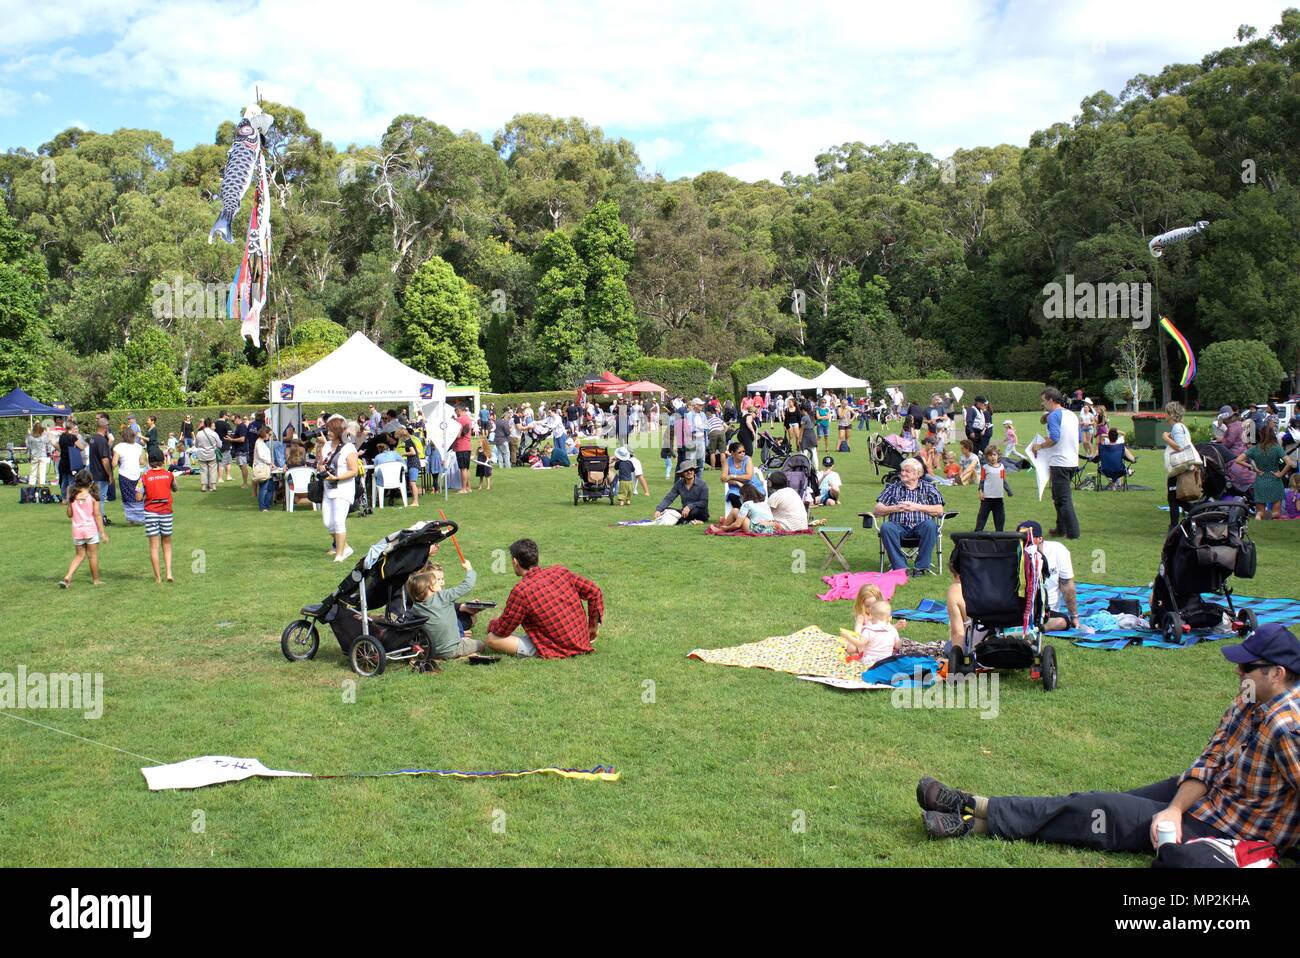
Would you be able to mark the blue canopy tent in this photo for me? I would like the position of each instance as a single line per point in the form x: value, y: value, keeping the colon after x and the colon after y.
x: 18, y: 403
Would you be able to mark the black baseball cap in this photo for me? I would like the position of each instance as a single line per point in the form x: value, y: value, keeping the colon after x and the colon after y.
x: 1268, y: 643
x: 827, y: 461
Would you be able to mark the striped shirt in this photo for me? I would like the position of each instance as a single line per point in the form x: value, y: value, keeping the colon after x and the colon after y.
x: 926, y: 493
x: 716, y: 424
x: 1251, y: 771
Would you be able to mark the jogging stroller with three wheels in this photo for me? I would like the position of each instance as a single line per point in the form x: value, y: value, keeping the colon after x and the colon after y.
x: 376, y: 582
x: 594, y: 477
x: 1006, y: 627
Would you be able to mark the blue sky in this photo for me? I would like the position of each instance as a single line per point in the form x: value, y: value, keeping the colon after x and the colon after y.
x: 752, y: 88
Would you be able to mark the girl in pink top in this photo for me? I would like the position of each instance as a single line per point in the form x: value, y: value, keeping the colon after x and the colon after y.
x: 87, y: 527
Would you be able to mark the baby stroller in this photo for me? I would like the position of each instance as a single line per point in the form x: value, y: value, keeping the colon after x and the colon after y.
x: 799, y: 473
x: 530, y: 443
x: 377, y: 581
x: 885, y: 456
x: 594, y: 475
x: 1200, y: 554
x: 991, y: 565
x: 772, y: 448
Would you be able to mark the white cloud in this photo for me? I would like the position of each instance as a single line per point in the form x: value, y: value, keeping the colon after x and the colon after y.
x: 771, y: 85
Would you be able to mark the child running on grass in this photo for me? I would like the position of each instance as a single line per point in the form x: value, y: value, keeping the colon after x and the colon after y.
x: 159, y: 484
x: 87, y: 527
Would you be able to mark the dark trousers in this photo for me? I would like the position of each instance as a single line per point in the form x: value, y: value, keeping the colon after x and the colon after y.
x: 1105, y: 821
x: 1062, y: 497
x: 994, y: 507
x: 1171, y: 487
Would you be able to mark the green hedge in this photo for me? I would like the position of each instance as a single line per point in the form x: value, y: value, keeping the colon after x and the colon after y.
x: 681, y: 377
x: 753, y: 368
x: 502, y: 400
x: 1004, y: 395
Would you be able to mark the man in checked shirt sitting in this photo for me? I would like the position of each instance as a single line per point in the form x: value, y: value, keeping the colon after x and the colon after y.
x: 1246, y: 784
x: 547, y: 603
x: 909, y: 507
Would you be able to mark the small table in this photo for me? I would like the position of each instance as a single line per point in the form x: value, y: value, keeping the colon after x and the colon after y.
x: 836, y: 545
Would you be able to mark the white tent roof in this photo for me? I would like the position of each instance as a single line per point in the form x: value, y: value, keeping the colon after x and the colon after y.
x: 781, y: 381
x: 834, y: 378
x: 359, y: 371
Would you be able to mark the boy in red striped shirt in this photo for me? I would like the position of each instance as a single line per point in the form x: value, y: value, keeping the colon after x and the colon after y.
x: 159, y: 484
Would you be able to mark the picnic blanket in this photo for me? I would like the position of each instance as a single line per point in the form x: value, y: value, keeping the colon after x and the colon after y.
x: 715, y: 531
x: 845, y: 585
x: 812, y: 652
x: 1093, y: 598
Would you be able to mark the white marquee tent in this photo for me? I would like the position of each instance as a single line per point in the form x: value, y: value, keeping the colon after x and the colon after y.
x: 834, y: 378
x: 359, y: 371
x: 782, y: 381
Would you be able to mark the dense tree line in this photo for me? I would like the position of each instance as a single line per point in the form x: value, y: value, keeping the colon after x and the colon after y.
x: 547, y: 252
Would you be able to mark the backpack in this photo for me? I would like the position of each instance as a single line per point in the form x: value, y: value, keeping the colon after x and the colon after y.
x: 1217, y: 853
x: 844, y: 446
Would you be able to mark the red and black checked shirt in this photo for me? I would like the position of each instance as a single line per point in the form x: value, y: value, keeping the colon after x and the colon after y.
x: 1251, y: 770
x: 548, y: 604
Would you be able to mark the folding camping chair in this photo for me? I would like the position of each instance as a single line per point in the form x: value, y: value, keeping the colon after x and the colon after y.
x: 909, y: 545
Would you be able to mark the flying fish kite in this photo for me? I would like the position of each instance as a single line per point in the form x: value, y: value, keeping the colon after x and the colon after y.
x: 245, y: 162
x: 1158, y: 243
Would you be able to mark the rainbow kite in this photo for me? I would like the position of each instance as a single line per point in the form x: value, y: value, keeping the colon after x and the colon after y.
x: 1189, y: 371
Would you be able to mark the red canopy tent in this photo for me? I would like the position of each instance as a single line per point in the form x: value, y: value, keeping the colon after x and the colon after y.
x: 644, y: 386
x: 603, y: 385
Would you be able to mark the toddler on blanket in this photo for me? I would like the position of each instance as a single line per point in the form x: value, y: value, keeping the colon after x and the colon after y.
x: 873, y: 637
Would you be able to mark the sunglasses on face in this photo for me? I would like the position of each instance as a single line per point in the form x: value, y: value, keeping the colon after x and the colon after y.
x: 1254, y: 667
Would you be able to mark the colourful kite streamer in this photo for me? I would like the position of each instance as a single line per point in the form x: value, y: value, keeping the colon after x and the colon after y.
x: 1189, y: 371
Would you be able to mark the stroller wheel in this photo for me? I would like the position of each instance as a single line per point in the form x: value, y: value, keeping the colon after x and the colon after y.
x: 1048, y: 668
x: 576, y: 494
x: 1249, y: 621
x: 1171, y: 628
x: 368, y: 656
x: 299, y: 640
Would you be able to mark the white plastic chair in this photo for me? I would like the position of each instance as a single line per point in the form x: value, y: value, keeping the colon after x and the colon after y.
x: 387, y: 475
x: 296, y: 481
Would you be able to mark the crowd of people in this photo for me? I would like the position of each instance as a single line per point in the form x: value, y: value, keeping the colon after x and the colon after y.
x: 552, y: 612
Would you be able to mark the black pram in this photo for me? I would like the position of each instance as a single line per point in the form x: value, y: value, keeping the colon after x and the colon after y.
x: 1200, y: 554
x: 370, y: 643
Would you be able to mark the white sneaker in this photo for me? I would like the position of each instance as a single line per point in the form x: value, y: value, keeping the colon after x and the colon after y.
x: 343, y: 558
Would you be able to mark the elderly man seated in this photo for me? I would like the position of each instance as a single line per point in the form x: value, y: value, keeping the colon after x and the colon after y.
x: 909, y: 508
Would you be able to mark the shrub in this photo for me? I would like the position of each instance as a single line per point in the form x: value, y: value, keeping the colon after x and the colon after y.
x: 243, y: 385
x: 681, y: 377
x: 1119, y: 393
x: 1237, y: 371
x: 318, y: 331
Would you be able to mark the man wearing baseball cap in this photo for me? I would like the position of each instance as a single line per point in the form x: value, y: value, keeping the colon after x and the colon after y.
x: 1246, y: 784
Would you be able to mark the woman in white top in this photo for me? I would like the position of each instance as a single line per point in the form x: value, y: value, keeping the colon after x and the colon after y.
x: 38, y: 447
x: 337, y: 464
x: 1176, y: 439
x: 128, y: 456
x: 207, y: 452
x: 263, y: 464
x: 788, y: 512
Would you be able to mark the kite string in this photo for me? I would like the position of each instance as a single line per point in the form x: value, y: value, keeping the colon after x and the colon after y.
x: 51, y: 728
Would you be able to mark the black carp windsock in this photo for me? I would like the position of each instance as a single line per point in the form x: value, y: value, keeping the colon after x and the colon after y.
x: 235, y: 179
x: 1158, y: 243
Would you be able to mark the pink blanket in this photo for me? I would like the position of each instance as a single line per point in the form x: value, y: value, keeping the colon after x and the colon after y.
x: 715, y: 531
x: 846, y: 584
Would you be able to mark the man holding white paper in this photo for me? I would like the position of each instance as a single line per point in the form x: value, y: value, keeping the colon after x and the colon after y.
x: 1062, y: 445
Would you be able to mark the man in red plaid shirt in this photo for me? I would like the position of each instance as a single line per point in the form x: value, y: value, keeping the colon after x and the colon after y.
x: 1245, y: 785
x: 548, y: 603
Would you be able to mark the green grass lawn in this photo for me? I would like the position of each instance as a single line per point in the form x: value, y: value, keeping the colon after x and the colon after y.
x: 716, y: 769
